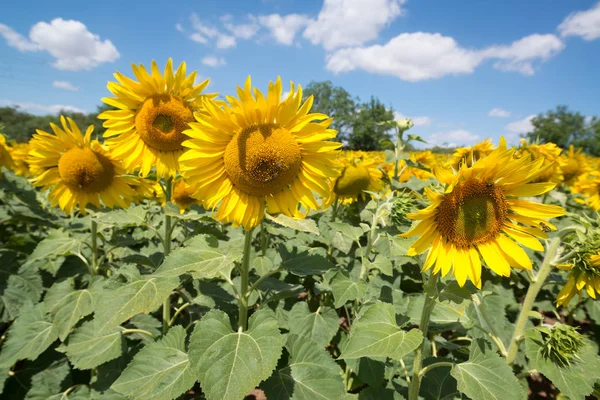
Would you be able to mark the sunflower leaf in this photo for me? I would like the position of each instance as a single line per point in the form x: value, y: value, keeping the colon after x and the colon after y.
x: 87, y: 348
x: 345, y: 289
x: 228, y: 363
x: 57, y: 243
x: 302, y: 225
x: 375, y: 333
x: 321, y: 326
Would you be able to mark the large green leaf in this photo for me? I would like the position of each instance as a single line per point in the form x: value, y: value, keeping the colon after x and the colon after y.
x: 57, y: 243
x: 303, y: 225
x: 142, y: 296
x: 28, y: 337
x: 375, y: 333
x: 438, y: 384
x: 47, y: 382
x: 345, y: 289
x: 575, y: 380
x: 321, y: 326
x: 20, y: 286
x: 353, y: 233
x: 160, y: 371
x: 87, y: 347
x: 133, y: 216
x: 67, y: 306
x: 304, y: 262
x: 231, y: 363
x: 311, y: 374
x: 486, y: 376
x: 201, y: 258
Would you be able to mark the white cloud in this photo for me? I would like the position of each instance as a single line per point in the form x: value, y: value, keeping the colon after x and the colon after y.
x: 65, y: 85
x: 205, y: 34
x: 179, y: 27
x: 420, y: 55
x: 583, y: 23
x: 417, y: 121
x: 242, y: 31
x: 284, y: 28
x: 40, y: 108
x: 213, y: 61
x: 198, y: 38
x: 454, y: 138
x: 225, y: 42
x: 409, y: 56
x: 343, y: 23
x: 68, y: 41
x: 499, y: 112
x: 520, y: 54
x: 520, y: 127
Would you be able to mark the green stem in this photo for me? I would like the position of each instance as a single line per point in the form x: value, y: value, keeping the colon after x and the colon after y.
x: 167, y: 250
x: 244, y: 272
x: 532, y: 293
x: 177, y: 312
x: 94, y: 268
x: 365, y: 258
x: 263, y: 237
x: 435, y: 365
x: 428, y: 305
x: 492, y: 333
x: 336, y: 206
x: 126, y: 331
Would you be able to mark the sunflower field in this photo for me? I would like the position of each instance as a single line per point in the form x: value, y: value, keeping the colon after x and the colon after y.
x: 214, y: 247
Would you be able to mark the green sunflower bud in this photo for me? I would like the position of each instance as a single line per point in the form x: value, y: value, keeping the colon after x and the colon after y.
x: 562, y: 344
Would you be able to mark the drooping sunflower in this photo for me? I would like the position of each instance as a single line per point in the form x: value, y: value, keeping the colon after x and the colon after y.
x: 588, y: 185
x: 77, y: 170
x: 182, y: 195
x: 5, y: 157
x: 359, y: 173
x: 480, y: 216
x: 583, y: 274
x: 573, y: 164
x: 19, y: 153
x: 549, y: 153
x: 469, y: 155
x: 147, y: 129
x: 259, y: 150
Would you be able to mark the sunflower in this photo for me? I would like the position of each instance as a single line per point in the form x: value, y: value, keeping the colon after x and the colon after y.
x: 480, y: 216
x: 573, y: 164
x: 77, y: 170
x: 182, y: 195
x: 19, y: 153
x: 359, y: 173
x: 549, y: 153
x: 5, y: 157
x: 588, y: 185
x: 146, y: 130
x: 423, y: 158
x: 469, y: 155
x: 583, y: 274
x: 259, y: 150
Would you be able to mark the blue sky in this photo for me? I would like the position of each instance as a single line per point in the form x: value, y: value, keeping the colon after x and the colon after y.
x: 464, y: 70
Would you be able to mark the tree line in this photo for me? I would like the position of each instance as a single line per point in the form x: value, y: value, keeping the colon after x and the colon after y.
x: 358, y: 122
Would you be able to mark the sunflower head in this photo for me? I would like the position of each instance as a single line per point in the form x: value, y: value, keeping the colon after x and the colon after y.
x: 423, y: 160
x: 480, y: 216
x: 76, y: 170
x: 146, y: 129
x: 469, y: 155
x: 573, y: 164
x: 549, y: 153
x: 561, y: 344
x: 259, y: 151
x: 359, y: 173
x: 182, y: 194
x: 19, y: 153
x: 5, y: 156
x: 588, y: 186
x: 584, y: 273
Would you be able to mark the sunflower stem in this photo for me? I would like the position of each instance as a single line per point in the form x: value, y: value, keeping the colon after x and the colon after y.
x: 244, y: 272
x: 166, y: 250
x: 532, y: 293
x: 365, y: 258
x: 435, y: 365
x: 94, y: 268
x: 483, y: 317
x: 431, y: 295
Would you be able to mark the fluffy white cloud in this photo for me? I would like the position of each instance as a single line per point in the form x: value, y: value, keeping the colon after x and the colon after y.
x: 40, y: 108
x: 284, y: 28
x: 454, y: 138
x: 242, y: 31
x: 204, y: 34
x: 65, y: 85
x: 179, y: 27
x: 409, y: 56
x: 499, y: 112
x: 417, y: 121
x: 583, y: 23
x: 351, y: 22
x: 520, y: 127
x: 421, y: 55
x: 520, y: 54
x: 213, y: 61
x: 225, y: 42
x: 68, y: 41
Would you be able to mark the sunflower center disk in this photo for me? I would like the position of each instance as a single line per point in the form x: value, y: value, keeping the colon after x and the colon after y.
x: 472, y: 213
x: 263, y: 159
x: 84, y: 170
x: 161, y: 120
x: 352, y: 182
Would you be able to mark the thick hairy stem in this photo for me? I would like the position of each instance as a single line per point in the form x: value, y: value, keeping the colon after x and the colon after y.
x: 166, y: 251
x: 428, y: 305
x: 94, y: 268
x: 244, y: 272
x: 532, y: 293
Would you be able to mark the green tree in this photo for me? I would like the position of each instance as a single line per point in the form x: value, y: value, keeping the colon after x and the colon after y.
x: 564, y: 127
x: 366, y: 133
x: 336, y: 102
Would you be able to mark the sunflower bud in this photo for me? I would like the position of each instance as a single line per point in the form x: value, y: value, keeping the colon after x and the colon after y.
x: 404, y: 124
x: 562, y: 344
x: 403, y: 204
